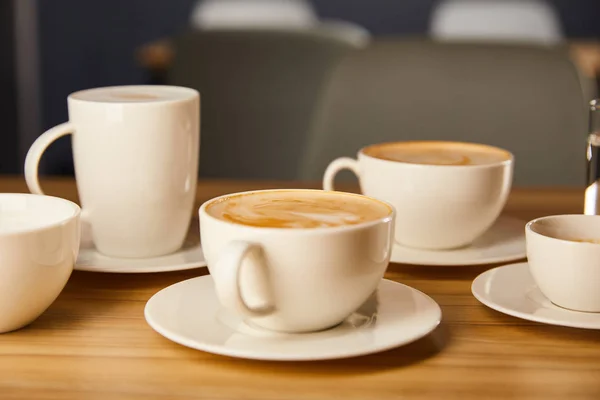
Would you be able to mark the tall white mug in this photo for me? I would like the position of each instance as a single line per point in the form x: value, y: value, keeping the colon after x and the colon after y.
x: 135, y: 151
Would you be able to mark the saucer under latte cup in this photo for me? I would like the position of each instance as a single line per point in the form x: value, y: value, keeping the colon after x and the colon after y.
x: 39, y: 243
x: 296, y: 260
x: 563, y: 252
x: 446, y: 194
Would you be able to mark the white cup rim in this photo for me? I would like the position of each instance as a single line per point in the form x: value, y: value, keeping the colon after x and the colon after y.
x: 49, y: 225
x: 189, y: 93
x: 531, y: 225
x: 509, y: 160
x: 298, y: 231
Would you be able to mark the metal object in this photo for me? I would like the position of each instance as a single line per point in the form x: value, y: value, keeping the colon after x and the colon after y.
x: 592, y: 195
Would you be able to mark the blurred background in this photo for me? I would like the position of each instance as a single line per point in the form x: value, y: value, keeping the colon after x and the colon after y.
x: 288, y: 85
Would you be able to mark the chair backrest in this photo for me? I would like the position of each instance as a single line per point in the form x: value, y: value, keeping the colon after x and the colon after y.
x: 258, y: 92
x: 508, y: 20
x: 527, y: 99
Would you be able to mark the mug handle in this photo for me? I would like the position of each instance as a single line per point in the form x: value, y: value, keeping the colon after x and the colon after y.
x: 34, y: 155
x: 229, y: 285
x: 336, y: 166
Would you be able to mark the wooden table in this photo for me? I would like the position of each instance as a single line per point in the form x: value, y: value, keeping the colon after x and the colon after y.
x: 93, y: 342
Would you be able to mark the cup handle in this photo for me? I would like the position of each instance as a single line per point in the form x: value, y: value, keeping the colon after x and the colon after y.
x: 34, y: 155
x: 229, y: 285
x: 336, y: 166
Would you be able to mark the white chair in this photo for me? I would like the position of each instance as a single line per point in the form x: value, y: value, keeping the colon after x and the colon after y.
x: 211, y: 14
x: 532, y: 21
x: 284, y: 15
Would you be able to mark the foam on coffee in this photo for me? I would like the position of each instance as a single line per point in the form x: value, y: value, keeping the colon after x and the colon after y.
x: 592, y: 241
x: 298, y: 209
x: 134, y: 94
x: 438, y: 153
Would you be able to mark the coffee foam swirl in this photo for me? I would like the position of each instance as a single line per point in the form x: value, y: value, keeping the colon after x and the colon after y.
x: 297, y: 209
x: 433, y: 158
x: 438, y: 153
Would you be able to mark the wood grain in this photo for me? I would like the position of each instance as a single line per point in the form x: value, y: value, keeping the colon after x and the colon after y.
x: 93, y: 342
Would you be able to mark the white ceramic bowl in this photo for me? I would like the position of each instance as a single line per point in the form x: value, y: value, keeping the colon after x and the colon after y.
x: 39, y: 243
x: 562, y: 261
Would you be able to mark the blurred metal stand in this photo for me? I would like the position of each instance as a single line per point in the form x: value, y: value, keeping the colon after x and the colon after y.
x: 591, y: 203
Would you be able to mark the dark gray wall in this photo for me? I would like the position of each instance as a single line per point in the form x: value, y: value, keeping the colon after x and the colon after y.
x: 9, y: 155
x: 579, y: 17
x: 387, y: 17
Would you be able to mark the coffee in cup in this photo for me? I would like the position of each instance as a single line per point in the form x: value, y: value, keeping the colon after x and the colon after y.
x: 446, y: 194
x: 135, y: 150
x: 437, y: 153
x: 296, y: 260
x: 297, y: 209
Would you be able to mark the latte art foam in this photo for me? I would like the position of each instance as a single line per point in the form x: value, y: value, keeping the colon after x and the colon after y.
x: 134, y: 96
x: 297, y: 209
x: 438, y: 153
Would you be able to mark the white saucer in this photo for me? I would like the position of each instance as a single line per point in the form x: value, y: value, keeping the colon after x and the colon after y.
x: 190, y: 256
x: 189, y: 313
x: 503, y: 242
x: 187, y: 258
x: 511, y: 290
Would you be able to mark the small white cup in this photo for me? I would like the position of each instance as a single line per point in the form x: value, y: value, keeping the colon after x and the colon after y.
x: 135, y: 150
x: 438, y: 207
x: 294, y: 279
x: 566, y: 270
x: 39, y: 243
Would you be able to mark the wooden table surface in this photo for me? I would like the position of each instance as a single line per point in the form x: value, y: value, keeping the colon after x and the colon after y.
x: 93, y: 342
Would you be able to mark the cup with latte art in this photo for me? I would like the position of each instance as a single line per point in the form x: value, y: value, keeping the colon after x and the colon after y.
x: 296, y: 260
x: 446, y: 194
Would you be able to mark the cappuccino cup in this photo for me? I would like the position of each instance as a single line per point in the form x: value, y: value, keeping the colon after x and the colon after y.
x: 135, y: 151
x: 563, y: 253
x: 295, y: 260
x: 39, y: 243
x: 446, y: 194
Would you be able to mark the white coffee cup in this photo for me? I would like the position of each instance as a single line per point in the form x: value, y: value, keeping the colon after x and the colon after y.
x: 437, y: 206
x: 135, y: 150
x: 563, y: 253
x: 39, y: 243
x: 296, y: 279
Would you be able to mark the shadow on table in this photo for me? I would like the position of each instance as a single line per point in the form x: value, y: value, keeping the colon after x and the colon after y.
x: 407, y: 271
x: 542, y: 331
x: 91, y: 297
x: 59, y: 316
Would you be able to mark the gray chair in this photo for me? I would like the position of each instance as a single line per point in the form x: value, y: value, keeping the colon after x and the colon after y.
x: 258, y: 92
x: 526, y: 99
